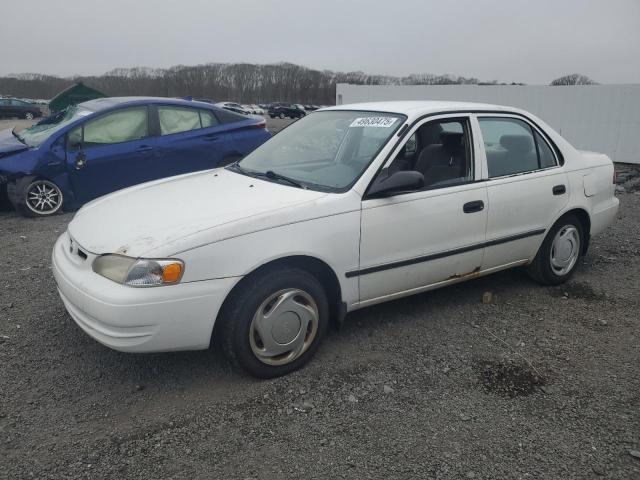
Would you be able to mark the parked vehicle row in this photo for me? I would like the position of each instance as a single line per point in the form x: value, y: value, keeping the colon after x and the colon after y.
x: 276, y: 109
x: 284, y: 110
x: 420, y: 195
x: 109, y: 144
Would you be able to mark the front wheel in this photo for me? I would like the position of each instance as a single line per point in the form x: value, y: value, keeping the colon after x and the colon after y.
x: 35, y: 197
x: 274, y: 322
x: 558, y: 256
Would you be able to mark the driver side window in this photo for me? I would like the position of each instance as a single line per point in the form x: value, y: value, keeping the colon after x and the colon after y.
x: 441, y: 151
x: 115, y: 127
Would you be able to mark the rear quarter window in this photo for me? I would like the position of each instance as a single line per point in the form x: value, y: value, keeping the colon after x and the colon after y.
x: 225, y: 116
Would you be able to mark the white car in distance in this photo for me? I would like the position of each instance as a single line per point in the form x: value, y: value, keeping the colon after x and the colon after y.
x: 351, y: 206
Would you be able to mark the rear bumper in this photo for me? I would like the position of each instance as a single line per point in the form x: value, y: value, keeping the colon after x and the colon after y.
x: 604, y: 215
x: 179, y: 317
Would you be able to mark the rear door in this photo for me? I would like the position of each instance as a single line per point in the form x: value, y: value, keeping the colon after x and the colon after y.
x: 110, y: 152
x: 189, y: 139
x: 526, y: 186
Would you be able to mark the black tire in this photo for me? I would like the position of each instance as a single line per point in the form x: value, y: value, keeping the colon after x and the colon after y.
x: 5, y: 203
x: 541, y: 269
x: 234, y: 322
x: 18, y: 192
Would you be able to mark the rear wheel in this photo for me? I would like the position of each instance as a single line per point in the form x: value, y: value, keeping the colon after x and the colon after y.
x: 274, y: 323
x: 35, y: 197
x: 558, y: 256
x: 281, y: 116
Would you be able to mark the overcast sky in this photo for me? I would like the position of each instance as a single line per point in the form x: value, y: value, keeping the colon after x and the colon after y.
x: 530, y: 41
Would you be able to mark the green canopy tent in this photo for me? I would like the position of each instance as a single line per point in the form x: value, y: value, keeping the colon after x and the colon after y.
x: 76, y: 93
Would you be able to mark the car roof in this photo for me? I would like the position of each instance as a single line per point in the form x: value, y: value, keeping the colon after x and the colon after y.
x: 417, y: 108
x: 109, y: 102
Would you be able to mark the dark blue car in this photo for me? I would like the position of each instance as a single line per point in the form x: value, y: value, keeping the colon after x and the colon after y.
x: 107, y: 144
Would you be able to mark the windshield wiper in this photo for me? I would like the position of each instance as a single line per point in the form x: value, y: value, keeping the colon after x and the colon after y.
x: 270, y: 174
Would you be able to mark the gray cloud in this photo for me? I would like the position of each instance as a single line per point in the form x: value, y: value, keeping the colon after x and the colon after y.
x: 506, y: 40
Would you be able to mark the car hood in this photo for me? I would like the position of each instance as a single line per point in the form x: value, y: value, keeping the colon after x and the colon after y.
x: 10, y: 144
x: 179, y: 213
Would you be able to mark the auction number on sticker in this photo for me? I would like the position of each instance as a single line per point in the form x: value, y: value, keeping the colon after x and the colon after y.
x: 381, y: 122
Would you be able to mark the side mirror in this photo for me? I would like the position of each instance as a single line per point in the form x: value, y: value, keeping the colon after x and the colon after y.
x: 402, y: 181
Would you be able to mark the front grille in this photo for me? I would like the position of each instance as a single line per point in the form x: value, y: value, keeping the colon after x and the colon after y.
x: 74, y: 249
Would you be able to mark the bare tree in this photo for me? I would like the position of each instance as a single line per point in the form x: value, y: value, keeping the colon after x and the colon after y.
x: 242, y: 82
x: 573, y: 79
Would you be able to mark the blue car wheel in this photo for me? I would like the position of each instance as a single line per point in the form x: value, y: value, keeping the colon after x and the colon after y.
x: 35, y: 197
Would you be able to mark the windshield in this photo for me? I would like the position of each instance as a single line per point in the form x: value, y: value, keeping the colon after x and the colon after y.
x: 34, y: 136
x: 324, y: 150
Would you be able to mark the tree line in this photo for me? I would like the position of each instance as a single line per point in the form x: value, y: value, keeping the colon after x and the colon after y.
x: 241, y: 82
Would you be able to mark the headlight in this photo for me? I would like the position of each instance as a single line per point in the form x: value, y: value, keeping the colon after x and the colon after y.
x: 139, y: 272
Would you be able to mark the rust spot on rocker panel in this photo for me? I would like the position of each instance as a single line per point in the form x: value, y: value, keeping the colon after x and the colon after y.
x: 471, y: 274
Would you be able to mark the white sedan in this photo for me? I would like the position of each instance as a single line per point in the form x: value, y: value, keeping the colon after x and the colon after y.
x: 348, y: 207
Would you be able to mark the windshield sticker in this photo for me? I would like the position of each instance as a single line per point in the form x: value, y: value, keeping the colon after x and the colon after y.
x: 378, y: 122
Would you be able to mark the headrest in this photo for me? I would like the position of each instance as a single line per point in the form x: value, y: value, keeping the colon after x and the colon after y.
x: 430, y: 133
x: 517, y: 143
x: 451, y: 139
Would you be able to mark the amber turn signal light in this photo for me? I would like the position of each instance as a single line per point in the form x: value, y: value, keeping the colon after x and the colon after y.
x: 171, y: 273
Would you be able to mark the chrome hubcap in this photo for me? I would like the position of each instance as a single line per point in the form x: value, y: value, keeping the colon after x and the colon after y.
x: 565, y: 250
x: 44, y: 197
x: 284, y: 326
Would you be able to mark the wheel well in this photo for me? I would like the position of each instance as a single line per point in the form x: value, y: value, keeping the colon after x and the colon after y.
x: 585, y: 222
x: 319, y: 269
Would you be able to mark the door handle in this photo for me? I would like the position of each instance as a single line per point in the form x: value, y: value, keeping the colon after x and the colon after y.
x: 211, y: 138
x: 144, y: 148
x: 559, y: 190
x: 472, y: 207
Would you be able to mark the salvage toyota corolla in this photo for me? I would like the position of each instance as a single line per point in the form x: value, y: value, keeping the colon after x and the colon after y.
x: 348, y: 207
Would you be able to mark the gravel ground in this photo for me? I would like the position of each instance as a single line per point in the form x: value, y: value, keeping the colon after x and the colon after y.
x: 536, y: 383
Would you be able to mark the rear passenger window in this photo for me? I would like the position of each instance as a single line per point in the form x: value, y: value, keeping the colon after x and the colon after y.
x: 207, y: 119
x: 177, y: 119
x: 510, y: 146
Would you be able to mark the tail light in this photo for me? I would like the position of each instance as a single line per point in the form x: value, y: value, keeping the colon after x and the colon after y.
x: 262, y: 124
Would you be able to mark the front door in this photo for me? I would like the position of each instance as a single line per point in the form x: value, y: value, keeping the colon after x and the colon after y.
x: 414, y: 240
x: 109, y: 153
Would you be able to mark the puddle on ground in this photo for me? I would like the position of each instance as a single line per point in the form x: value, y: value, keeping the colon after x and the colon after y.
x: 507, y: 379
x: 580, y: 290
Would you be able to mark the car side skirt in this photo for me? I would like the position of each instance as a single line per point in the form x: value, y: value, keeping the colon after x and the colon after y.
x: 433, y: 286
x: 448, y: 253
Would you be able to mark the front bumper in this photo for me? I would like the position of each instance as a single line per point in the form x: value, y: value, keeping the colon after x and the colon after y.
x: 157, y: 319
